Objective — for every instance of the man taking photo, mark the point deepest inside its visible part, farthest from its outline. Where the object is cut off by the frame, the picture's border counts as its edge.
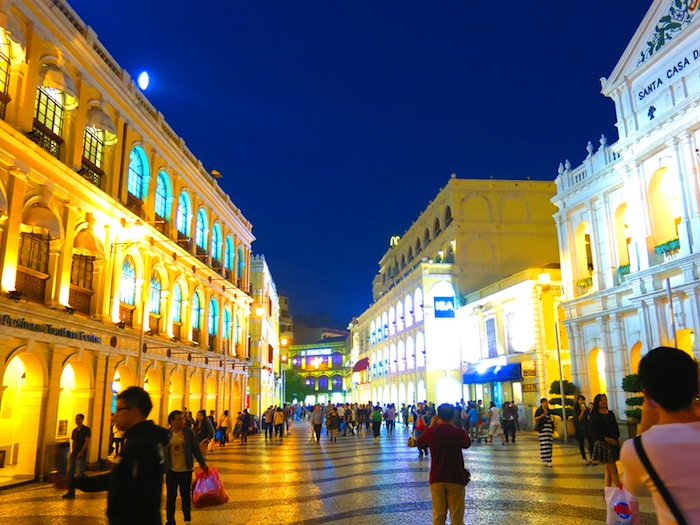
(670, 435)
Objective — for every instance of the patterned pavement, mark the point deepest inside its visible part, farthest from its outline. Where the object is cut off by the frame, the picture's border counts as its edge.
(357, 481)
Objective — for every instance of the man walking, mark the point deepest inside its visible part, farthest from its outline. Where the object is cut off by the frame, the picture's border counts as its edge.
(447, 474)
(670, 435)
(135, 484)
(80, 439)
(316, 419)
(183, 447)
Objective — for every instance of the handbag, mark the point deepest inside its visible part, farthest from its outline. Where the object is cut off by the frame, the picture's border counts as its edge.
(412, 441)
(466, 474)
(670, 502)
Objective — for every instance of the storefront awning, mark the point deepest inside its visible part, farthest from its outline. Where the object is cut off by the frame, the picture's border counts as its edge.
(361, 365)
(494, 374)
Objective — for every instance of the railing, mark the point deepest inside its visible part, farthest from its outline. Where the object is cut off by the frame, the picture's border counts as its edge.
(126, 314)
(46, 139)
(91, 173)
(79, 300)
(31, 286)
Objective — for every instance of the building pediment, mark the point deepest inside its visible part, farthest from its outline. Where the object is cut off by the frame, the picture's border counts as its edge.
(652, 50)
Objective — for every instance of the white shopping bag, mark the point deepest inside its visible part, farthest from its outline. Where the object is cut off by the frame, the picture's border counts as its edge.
(623, 507)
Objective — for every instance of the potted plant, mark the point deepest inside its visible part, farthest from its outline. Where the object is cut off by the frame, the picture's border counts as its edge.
(565, 412)
(630, 384)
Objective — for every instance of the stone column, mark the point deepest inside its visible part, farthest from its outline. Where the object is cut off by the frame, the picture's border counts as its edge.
(684, 230)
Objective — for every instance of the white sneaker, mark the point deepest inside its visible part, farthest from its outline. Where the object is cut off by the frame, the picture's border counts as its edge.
(550, 464)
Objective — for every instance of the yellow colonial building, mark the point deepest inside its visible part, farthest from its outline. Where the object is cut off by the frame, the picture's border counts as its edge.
(122, 261)
(472, 234)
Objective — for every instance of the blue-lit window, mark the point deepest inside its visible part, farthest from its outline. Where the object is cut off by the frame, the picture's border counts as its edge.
(200, 232)
(177, 304)
(240, 269)
(183, 214)
(213, 317)
(227, 324)
(337, 359)
(127, 283)
(156, 289)
(196, 312)
(323, 383)
(137, 178)
(229, 254)
(310, 382)
(162, 198)
(216, 244)
(336, 383)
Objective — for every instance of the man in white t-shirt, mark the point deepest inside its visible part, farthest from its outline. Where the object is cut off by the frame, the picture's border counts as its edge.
(670, 434)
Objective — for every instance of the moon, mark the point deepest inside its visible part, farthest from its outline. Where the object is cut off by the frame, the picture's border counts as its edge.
(143, 80)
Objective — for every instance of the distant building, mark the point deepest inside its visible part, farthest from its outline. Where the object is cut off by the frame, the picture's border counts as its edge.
(629, 214)
(508, 338)
(472, 234)
(264, 379)
(324, 368)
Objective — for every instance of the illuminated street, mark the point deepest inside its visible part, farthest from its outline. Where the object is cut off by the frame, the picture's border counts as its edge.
(357, 481)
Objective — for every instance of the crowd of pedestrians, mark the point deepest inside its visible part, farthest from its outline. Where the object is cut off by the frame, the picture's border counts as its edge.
(671, 418)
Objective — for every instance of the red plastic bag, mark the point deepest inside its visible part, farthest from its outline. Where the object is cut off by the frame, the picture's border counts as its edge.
(420, 425)
(208, 490)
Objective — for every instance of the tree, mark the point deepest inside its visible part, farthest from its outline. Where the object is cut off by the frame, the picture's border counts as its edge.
(630, 383)
(295, 386)
(569, 392)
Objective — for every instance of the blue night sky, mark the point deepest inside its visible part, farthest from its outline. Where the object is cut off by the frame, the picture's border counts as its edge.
(335, 123)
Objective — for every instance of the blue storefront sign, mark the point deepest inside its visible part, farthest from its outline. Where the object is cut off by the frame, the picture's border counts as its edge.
(444, 306)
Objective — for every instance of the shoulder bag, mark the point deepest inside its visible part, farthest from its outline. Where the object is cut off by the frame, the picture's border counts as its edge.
(467, 474)
(670, 502)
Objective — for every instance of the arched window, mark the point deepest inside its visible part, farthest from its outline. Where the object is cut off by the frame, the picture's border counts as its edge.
(177, 303)
(227, 324)
(409, 310)
(436, 227)
(156, 289)
(426, 236)
(162, 198)
(403, 262)
(240, 268)
(418, 305)
(229, 256)
(5, 53)
(127, 283)
(310, 382)
(418, 246)
(410, 253)
(213, 317)
(448, 215)
(323, 383)
(137, 178)
(337, 383)
(196, 311)
(399, 317)
(216, 245)
(184, 212)
(200, 231)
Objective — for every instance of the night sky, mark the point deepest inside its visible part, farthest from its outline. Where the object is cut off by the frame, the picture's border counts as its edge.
(335, 123)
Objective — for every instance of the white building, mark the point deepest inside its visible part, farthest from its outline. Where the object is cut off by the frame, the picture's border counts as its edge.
(629, 215)
(264, 380)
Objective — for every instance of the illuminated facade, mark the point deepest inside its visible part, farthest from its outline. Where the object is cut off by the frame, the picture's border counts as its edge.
(264, 381)
(474, 233)
(509, 343)
(122, 262)
(629, 215)
(324, 368)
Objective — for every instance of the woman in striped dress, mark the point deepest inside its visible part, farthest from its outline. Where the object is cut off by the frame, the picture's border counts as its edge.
(544, 424)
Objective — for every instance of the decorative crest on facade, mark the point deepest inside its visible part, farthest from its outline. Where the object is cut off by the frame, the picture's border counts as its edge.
(679, 16)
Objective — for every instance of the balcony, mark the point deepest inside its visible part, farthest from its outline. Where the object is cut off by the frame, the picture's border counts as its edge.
(46, 139)
(91, 173)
